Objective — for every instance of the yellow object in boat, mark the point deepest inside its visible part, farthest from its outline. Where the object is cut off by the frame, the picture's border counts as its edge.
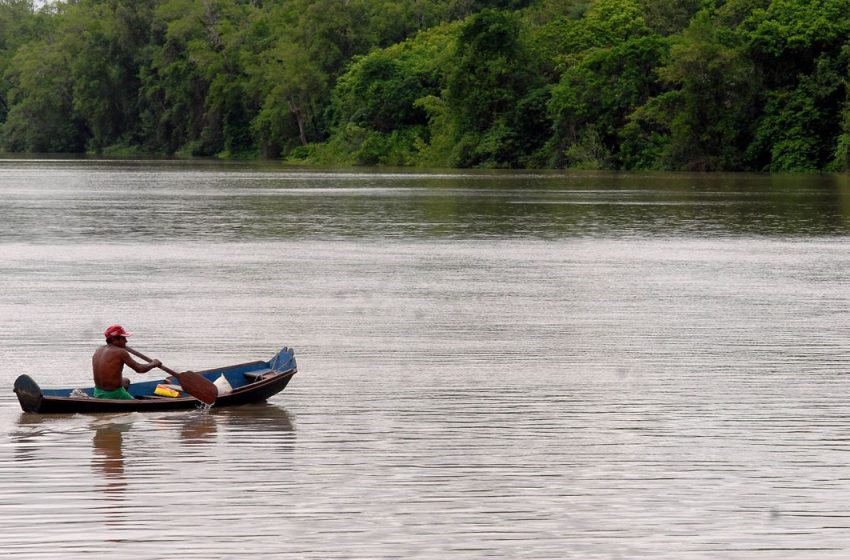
(164, 391)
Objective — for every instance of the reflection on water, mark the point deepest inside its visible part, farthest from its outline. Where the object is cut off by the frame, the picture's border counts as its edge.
(108, 460)
(183, 430)
(105, 477)
(492, 365)
(125, 201)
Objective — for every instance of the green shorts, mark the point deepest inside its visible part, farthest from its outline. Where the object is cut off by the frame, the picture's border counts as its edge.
(119, 393)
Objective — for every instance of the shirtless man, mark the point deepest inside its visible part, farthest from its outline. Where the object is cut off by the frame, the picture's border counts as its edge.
(108, 363)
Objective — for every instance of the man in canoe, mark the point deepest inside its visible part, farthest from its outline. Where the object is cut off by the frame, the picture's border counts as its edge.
(108, 363)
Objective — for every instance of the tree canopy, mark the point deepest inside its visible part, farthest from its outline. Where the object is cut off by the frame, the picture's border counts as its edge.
(757, 85)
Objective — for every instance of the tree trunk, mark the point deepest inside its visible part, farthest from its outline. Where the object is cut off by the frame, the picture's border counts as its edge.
(299, 117)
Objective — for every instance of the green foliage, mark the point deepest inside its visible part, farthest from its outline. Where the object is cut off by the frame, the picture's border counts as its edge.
(798, 131)
(645, 138)
(105, 95)
(491, 74)
(803, 50)
(719, 92)
(624, 84)
(379, 93)
(438, 151)
(612, 73)
(195, 84)
(488, 70)
(594, 98)
(841, 162)
(41, 117)
(791, 28)
(603, 23)
(19, 24)
(668, 17)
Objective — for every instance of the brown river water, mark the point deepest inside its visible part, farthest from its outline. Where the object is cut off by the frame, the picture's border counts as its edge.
(491, 364)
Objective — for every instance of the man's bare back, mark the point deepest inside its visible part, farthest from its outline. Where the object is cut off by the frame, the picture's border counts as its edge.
(107, 366)
(108, 363)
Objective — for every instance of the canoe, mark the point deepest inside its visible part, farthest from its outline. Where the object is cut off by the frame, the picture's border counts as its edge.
(250, 382)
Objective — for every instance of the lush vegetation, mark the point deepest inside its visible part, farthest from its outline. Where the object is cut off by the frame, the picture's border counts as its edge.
(600, 84)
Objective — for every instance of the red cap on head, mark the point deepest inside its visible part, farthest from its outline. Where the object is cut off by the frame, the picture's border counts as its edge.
(115, 330)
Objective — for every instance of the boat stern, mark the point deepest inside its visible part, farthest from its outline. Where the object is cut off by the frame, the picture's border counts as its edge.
(29, 393)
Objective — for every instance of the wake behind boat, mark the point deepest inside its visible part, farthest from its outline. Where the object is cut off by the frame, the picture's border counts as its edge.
(249, 382)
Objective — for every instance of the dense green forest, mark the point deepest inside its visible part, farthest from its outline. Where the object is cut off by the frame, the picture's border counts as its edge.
(758, 85)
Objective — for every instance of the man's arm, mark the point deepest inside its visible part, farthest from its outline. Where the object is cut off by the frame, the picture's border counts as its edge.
(136, 366)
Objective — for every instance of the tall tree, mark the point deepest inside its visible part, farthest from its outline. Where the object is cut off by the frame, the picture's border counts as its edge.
(803, 51)
(716, 93)
(41, 116)
(108, 40)
(602, 83)
(195, 85)
(491, 74)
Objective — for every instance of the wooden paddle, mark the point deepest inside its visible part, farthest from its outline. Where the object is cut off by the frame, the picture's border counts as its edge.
(193, 383)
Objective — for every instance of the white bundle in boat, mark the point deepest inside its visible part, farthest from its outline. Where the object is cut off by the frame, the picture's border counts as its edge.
(223, 385)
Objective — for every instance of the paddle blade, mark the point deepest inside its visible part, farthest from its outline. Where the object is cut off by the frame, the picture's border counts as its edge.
(198, 386)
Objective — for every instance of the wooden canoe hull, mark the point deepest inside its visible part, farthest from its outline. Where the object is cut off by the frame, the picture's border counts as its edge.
(251, 382)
